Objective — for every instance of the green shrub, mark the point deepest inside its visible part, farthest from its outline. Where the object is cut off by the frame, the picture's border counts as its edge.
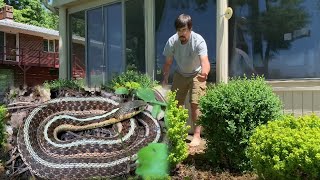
(288, 148)
(175, 120)
(3, 112)
(129, 78)
(230, 112)
(63, 83)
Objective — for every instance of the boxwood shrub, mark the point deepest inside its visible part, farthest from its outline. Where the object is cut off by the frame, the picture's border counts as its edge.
(230, 113)
(288, 148)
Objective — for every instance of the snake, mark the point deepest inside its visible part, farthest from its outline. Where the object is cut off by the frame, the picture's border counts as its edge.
(86, 157)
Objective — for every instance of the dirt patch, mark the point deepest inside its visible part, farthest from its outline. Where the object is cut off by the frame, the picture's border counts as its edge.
(196, 167)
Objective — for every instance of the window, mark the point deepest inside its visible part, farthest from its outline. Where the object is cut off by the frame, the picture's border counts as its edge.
(104, 35)
(203, 14)
(277, 39)
(49, 45)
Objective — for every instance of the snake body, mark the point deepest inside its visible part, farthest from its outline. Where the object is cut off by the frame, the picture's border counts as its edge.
(49, 157)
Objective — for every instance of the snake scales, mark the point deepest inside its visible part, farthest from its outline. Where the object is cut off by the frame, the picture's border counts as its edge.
(49, 157)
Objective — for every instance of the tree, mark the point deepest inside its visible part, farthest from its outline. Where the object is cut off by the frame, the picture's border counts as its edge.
(32, 12)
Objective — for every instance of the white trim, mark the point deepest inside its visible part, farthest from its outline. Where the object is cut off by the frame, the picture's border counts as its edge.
(90, 5)
(222, 43)
(149, 23)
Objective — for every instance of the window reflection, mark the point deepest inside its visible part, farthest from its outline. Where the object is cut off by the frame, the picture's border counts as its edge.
(203, 14)
(277, 39)
(135, 36)
(77, 52)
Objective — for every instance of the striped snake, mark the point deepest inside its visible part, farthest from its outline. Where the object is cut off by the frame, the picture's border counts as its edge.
(87, 157)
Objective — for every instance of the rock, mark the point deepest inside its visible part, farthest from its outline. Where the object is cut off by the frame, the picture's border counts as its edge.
(17, 119)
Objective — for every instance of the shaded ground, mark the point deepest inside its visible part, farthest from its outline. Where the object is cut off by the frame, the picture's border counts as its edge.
(196, 167)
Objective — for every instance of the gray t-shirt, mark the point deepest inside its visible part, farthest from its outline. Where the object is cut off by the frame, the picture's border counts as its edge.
(187, 55)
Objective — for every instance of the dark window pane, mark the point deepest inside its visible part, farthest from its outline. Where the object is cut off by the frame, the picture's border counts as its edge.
(45, 45)
(203, 14)
(135, 36)
(278, 39)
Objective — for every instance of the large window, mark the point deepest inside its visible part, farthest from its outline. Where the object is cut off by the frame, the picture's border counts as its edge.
(278, 39)
(113, 43)
(203, 14)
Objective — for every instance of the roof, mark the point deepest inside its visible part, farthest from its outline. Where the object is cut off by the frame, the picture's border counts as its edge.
(8, 25)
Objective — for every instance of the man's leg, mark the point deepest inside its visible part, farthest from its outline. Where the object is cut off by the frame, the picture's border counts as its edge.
(197, 91)
(181, 85)
(196, 134)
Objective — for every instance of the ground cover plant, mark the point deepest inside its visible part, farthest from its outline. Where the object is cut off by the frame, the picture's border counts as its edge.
(287, 148)
(230, 113)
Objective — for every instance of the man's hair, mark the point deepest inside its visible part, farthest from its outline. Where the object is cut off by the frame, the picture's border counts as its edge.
(183, 20)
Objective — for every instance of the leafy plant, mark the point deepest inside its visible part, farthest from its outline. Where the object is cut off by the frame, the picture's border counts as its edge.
(3, 112)
(63, 83)
(287, 148)
(177, 130)
(153, 161)
(230, 113)
(132, 80)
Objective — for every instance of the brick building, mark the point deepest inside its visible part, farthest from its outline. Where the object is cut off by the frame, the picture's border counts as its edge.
(29, 54)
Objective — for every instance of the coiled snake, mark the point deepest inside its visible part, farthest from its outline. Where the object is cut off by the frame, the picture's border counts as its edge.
(49, 157)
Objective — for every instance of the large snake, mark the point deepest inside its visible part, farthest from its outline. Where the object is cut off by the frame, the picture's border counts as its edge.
(49, 157)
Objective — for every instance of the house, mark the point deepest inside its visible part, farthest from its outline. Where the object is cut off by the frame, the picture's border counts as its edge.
(277, 39)
(29, 54)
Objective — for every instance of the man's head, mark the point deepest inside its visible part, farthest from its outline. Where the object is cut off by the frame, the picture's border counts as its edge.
(183, 25)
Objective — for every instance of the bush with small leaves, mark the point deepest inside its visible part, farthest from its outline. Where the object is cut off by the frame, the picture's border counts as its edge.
(230, 113)
(63, 83)
(287, 148)
(133, 79)
(175, 121)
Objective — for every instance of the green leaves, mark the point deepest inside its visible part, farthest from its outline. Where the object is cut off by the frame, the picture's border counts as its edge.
(122, 91)
(153, 161)
(230, 113)
(287, 148)
(177, 130)
(3, 112)
(32, 12)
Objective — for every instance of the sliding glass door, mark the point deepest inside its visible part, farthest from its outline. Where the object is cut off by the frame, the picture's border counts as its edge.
(104, 44)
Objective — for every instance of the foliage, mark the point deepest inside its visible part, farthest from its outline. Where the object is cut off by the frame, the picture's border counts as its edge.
(63, 83)
(288, 148)
(175, 120)
(32, 12)
(153, 161)
(129, 76)
(230, 113)
(3, 112)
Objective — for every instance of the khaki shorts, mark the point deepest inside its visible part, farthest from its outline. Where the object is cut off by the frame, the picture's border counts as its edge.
(184, 84)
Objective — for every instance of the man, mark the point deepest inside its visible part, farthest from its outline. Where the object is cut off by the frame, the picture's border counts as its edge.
(190, 52)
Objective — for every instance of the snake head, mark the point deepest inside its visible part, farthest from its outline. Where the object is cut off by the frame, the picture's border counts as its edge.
(130, 109)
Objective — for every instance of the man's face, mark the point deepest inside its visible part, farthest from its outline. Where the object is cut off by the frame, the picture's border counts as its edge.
(184, 34)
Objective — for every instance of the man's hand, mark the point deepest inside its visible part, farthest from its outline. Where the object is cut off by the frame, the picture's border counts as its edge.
(202, 77)
(166, 69)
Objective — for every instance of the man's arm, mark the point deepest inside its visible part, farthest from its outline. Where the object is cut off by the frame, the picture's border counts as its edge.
(205, 68)
(166, 70)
